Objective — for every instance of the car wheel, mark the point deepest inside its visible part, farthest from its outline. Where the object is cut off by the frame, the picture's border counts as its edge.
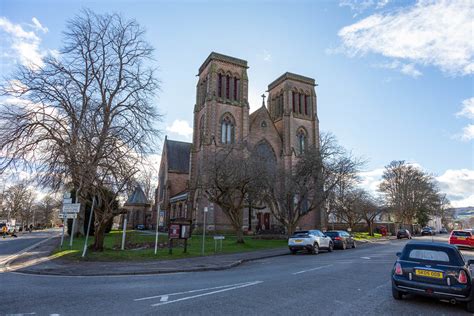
(293, 252)
(315, 249)
(396, 293)
(470, 306)
(353, 244)
(344, 246)
(331, 247)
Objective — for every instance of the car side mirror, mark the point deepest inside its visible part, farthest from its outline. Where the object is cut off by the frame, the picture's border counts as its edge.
(470, 261)
(399, 254)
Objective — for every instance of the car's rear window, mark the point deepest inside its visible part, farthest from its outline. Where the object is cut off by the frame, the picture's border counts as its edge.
(300, 234)
(402, 231)
(332, 234)
(429, 255)
(461, 234)
(432, 253)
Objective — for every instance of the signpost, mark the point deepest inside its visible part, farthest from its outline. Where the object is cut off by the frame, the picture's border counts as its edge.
(88, 228)
(70, 210)
(158, 219)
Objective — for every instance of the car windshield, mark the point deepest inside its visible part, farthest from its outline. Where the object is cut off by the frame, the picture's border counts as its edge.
(462, 234)
(300, 234)
(432, 253)
(402, 231)
(332, 234)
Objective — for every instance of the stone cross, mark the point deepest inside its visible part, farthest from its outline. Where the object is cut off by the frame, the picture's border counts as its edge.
(263, 99)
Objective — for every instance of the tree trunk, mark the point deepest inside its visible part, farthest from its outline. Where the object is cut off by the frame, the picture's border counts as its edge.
(240, 235)
(290, 228)
(99, 236)
(371, 228)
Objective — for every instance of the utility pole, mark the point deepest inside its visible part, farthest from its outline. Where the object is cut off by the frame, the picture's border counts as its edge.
(204, 230)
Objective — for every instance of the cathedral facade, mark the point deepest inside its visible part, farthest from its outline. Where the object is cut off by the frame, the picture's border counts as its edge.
(284, 127)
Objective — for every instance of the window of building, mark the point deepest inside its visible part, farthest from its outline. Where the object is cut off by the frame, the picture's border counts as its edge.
(263, 124)
(293, 94)
(236, 89)
(227, 130)
(301, 103)
(219, 86)
(306, 105)
(301, 136)
(227, 87)
(201, 129)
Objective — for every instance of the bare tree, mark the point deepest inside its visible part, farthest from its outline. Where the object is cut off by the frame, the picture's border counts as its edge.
(410, 192)
(18, 203)
(85, 113)
(228, 182)
(370, 209)
(46, 209)
(292, 193)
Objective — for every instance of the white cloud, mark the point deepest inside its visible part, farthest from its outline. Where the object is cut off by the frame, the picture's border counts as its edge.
(38, 25)
(407, 69)
(437, 33)
(24, 45)
(468, 112)
(459, 186)
(467, 109)
(181, 127)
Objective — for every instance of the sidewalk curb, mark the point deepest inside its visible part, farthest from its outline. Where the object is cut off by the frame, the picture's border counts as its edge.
(197, 269)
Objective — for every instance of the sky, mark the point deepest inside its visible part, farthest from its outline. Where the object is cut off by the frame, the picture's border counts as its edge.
(395, 78)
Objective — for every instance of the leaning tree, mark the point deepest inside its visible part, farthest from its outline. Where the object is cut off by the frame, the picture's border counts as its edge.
(85, 112)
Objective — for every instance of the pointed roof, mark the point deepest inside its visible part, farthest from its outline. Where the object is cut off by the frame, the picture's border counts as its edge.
(178, 154)
(137, 198)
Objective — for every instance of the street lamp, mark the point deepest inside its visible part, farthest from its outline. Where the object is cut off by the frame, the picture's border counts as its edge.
(204, 229)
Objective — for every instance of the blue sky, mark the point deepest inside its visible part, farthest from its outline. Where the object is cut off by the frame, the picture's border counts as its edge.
(395, 77)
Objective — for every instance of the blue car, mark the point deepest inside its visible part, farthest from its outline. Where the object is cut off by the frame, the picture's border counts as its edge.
(435, 270)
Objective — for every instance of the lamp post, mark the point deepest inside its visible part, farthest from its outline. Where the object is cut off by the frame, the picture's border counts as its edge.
(204, 229)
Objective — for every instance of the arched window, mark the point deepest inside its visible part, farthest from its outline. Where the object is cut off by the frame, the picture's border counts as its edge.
(306, 105)
(201, 130)
(236, 89)
(219, 86)
(293, 94)
(227, 130)
(301, 103)
(301, 137)
(227, 87)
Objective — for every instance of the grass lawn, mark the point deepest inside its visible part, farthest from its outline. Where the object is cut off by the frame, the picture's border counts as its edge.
(113, 242)
(361, 236)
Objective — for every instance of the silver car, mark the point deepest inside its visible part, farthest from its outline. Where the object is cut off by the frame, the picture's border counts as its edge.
(310, 240)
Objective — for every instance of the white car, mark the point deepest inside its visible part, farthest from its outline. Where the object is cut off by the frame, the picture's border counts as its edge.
(310, 240)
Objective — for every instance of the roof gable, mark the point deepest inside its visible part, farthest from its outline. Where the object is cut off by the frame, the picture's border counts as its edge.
(177, 155)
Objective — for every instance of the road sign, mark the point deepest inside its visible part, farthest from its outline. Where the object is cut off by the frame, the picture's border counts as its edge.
(67, 201)
(68, 215)
(71, 208)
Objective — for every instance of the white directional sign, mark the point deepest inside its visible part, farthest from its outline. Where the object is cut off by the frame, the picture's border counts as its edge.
(68, 215)
(71, 208)
(67, 201)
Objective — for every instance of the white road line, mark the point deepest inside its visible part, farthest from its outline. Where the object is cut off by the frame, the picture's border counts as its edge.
(208, 293)
(164, 298)
(192, 291)
(317, 268)
(367, 258)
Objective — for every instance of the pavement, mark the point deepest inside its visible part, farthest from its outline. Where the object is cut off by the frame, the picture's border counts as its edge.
(343, 282)
(39, 261)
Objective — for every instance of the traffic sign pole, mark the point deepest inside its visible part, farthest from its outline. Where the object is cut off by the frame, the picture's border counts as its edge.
(88, 228)
(157, 224)
(204, 230)
(72, 232)
(124, 231)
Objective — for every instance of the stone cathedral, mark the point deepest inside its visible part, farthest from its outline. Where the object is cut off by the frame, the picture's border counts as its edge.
(283, 127)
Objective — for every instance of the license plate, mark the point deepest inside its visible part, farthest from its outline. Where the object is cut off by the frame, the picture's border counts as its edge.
(298, 240)
(461, 238)
(429, 274)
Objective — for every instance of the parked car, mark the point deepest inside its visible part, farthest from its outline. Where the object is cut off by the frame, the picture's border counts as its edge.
(443, 231)
(341, 239)
(462, 238)
(403, 233)
(428, 231)
(141, 227)
(435, 270)
(310, 240)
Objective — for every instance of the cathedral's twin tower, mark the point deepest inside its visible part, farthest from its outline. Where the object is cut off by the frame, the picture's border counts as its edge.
(284, 128)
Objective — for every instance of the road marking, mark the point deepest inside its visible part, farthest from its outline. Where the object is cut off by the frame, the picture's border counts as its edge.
(192, 291)
(367, 258)
(164, 298)
(208, 293)
(317, 268)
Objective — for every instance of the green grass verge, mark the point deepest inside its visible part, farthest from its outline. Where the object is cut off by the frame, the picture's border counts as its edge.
(362, 236)
(113, 241)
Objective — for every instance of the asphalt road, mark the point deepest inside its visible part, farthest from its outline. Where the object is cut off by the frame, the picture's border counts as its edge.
(350, 282)
(10, 245)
